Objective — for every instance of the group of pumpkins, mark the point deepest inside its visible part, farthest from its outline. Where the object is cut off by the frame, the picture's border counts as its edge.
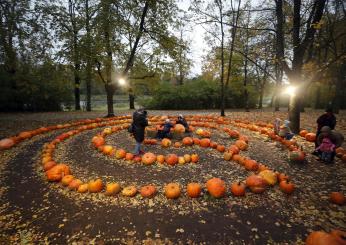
(335, 237)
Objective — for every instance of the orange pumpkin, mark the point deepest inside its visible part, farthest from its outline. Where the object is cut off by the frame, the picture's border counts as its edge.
(234, 149)
(177, 144)
(196, 141)
(148, 191)
(6, 144)
(148, 158)
(171, 159)
(67, 179)
(172, 190)
(244, 138)
(241, 144)
(194, 158)
(112, 189)
(227, 156)
(233, 134)
(322, 238)
(107, 149)
(120, 154)
(24, 135)
(48, 165)
(98, 141)
(129, 156)
(166, 142)
(74, 184)
(83, 188)
(216, 187)
(311, 137)
(193, 190)
(256, 183)
(220, 148)
(57, 172)
(205, 142)
(250, 165)
(302, 133)
(286, 186)
(238, 189)
(188, 141)
(179, 128)
(337, 198)
(95, 186)
(187, 158)
(269, 176)
(129, 191)
(160, 158)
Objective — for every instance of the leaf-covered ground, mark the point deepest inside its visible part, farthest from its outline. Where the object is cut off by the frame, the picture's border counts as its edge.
(33, 210)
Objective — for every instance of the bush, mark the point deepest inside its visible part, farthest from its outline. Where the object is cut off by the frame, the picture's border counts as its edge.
(196, 94)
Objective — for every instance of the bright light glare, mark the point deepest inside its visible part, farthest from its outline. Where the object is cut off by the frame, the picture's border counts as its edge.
(122, 81)
(290, 90)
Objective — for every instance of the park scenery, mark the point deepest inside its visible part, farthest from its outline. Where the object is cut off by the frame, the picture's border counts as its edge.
(173, 122)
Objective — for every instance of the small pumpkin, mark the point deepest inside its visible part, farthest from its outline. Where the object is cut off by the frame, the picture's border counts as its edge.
(83, 188)
(166, 142)
(181, 160)
(129, 156)
(160, 158)
(120, 154)
(238, 189)
(187, 158)
(112, 189)
(251, 165)
(6, 144)
(95, 186)
(193, 190)
(337, 198)
(196, 141)
(188, 141)
(74, 184)
(216, 187)
(227, 156)
(303, 132)
(322, 238)
(107, 149)
(194, 158)
(67, 179)
(148, 158)
(287, 186)
(269, 176)
(241, 144)
(148, 191)
(220, 148)
(311, 137)
(129, 191)
(49, 165)
(256, 183)
(57, 172)
(171, 159)
(172, 190)
(205, 142)
(177, 144)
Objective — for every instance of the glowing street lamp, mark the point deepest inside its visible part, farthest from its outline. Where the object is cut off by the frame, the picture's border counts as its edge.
(122, 82)
(290, 90)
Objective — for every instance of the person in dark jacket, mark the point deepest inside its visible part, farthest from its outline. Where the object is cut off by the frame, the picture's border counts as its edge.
(139, 122)
(181, 120)
(327, 119)
(164, 133)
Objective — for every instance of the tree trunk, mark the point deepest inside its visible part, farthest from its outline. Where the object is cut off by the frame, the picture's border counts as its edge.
(339, 89)
(260, 101)
(88, 54)
(110, 92)
(294, 114)
(222, 92)
(77, 90)
(246, 97)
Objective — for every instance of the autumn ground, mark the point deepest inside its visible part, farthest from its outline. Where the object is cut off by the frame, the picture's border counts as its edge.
(35, 211)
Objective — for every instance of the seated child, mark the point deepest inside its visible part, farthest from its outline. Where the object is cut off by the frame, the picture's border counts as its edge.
(326, 148)
(285, 131)
(277, 125)
(181, 120)
(164, 133)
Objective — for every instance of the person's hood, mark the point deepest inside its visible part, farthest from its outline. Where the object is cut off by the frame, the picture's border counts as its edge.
(326, 129)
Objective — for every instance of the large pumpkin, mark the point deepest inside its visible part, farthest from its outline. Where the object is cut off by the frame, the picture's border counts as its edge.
(148, 158)
(179, 128)
(172, 190)
(251, 165)
(193, 190)
(269, 176)
(6, 144)
(57, 172)
(216, 187)
(171, 159)
(256, 183)
(310, 137)
(95, 185)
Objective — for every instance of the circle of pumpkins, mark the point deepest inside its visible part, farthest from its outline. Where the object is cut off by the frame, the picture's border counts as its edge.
(257, 183)
(60, 172)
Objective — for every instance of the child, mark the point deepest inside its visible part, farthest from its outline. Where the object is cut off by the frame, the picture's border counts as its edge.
(164, 133)
(285, 131)
(277, 125)
(181, 120)
(327, 148)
